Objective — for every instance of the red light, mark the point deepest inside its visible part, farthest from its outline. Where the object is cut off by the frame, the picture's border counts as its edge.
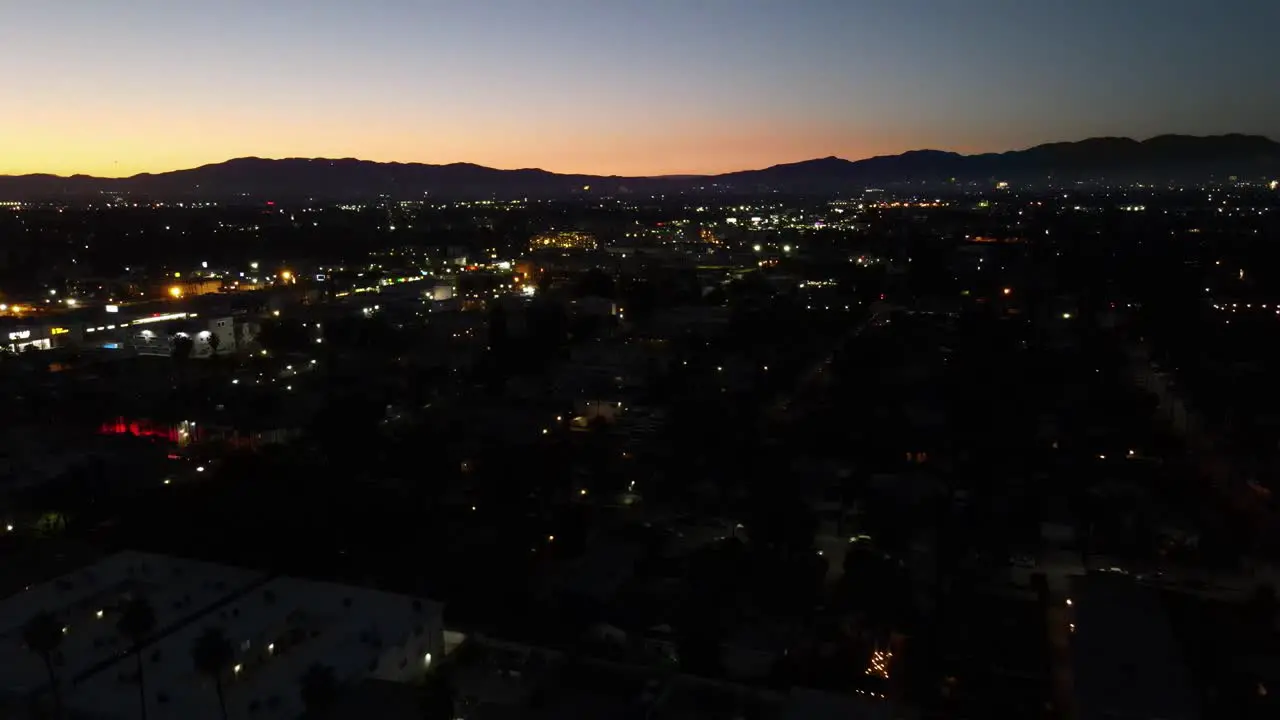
(271, 203)
(142, 428)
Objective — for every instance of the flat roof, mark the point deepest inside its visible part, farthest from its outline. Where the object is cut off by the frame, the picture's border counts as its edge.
(277, 629)
(86, 602)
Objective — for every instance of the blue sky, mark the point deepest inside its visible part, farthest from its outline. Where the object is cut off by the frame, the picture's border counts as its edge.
(605, 86)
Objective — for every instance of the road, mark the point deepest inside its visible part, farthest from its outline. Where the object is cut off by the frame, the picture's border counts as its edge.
(818, 374)
(1225, 480)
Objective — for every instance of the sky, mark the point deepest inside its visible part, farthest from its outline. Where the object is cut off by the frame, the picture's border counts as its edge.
(639, 87)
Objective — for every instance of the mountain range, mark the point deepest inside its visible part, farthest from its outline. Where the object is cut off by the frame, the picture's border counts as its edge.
(1178, 159)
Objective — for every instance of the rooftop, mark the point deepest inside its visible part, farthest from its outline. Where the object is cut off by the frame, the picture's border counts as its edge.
(87, 602)
(278, 628)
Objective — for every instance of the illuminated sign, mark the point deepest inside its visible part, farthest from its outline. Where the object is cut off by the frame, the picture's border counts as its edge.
(159, 318)
(113, 308)
(20, 335)
(59, 331)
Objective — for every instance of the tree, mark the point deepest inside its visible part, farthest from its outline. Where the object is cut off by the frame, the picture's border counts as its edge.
(438, 696)
(181, 346)
(42, 635)
(137, 622)
(639, 300)
(284, 336)
(346, 427)
(781, 522)
(499, 328)
(319, 688)
(1262, 607)
(212, 655)
(597, 282)
(214, 343)
(714, 576)
(548, 328)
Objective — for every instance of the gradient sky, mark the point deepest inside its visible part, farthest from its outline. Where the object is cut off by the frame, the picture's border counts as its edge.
(615, 87)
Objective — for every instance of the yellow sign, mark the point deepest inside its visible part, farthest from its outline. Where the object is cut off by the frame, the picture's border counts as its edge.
(59, 331)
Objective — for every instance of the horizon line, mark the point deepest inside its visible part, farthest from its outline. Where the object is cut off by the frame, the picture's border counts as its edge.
(625, 177)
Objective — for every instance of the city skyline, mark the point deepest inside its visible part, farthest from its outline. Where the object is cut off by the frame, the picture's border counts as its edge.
(612, 88)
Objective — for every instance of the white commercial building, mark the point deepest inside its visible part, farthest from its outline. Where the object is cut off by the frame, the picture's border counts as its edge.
(278, 627)
(152, 340)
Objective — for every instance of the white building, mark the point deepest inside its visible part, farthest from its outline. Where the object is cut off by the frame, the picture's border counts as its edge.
(278, 627)
(87, 602)
(159, 341)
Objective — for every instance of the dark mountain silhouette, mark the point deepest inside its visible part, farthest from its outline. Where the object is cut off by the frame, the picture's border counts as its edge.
(1166, 158)
(1162, 159)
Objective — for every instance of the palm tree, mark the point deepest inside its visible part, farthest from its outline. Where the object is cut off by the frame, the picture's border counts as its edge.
(137, 622)
(212, 654)
(319, 688)
(43, 635)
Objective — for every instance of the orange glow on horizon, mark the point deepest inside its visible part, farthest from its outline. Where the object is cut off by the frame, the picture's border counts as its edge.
(156, 145)
(603, 88)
